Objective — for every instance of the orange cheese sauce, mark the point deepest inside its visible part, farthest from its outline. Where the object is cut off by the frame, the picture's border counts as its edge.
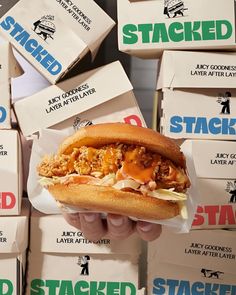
(134, 166)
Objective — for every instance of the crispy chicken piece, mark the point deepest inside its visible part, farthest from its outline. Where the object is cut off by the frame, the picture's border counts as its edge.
(56, 166)
(127, 161)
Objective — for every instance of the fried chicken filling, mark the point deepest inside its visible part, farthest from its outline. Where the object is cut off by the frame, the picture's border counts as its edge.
(126, 161)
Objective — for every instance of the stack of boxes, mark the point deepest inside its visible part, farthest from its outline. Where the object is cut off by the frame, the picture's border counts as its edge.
(204, 88)
(54, 36)
(196, 102)
(196, 106)
(13, 215)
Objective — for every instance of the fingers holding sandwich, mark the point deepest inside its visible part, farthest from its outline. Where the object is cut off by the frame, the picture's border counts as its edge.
(148, 231)
(115, 227)
(119, 227)
(91, 224)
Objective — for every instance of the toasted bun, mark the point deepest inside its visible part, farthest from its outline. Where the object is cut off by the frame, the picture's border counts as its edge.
(107, 133)
(108, 199)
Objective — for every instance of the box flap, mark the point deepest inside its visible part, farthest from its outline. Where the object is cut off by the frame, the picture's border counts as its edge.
(15, 69)
(8, 60)
(9, 68)
(209, 249)
(197, 70)
(52, 234)
(14, 231)
(66, 99)
(89, 31)
(214, 159)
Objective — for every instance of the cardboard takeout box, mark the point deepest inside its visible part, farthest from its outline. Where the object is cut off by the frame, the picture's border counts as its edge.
(200, 261)
(146, 28)
(197, 97)
(215, 164)
(55, 35)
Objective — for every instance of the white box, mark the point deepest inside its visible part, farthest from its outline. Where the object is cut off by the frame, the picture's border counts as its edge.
(10, 173)
(146, 28)
(13, 245)
(9, 68)
(197, 95)
(58, 250)
(200, 262)
(215, 164)
(55, 35)
(77, 95)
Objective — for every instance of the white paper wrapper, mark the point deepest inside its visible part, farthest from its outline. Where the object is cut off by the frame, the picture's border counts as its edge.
(41, 199)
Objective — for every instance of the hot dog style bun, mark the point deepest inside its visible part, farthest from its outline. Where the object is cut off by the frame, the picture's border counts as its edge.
(118, 168)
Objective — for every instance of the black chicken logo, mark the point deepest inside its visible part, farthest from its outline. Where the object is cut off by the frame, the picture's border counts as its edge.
(44, 27)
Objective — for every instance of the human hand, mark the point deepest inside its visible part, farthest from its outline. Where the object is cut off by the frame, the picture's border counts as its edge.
(115, 227)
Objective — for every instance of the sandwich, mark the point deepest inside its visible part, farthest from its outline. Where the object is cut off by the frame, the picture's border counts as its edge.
(47, 27)
(118, 168)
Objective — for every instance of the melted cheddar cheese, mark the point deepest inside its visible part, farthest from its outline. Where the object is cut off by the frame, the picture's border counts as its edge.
(134, 166)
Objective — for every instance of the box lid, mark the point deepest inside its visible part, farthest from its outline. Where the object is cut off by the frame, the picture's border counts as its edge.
(191, 69)
(14, 231)
(68, 98)
(52, 234)
(8, 61)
